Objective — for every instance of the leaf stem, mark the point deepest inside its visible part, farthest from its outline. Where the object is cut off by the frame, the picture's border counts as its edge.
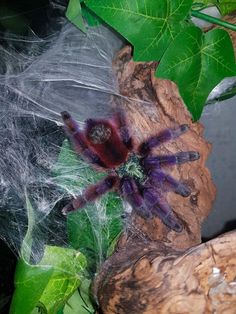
(213, 20)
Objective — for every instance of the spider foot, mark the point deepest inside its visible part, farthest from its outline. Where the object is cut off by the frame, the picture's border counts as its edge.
(166, 183)
(183, 190)
(131, 193)
(161, 208)
(75, 204)
(168, 219)
(67, 209)
(172, 222)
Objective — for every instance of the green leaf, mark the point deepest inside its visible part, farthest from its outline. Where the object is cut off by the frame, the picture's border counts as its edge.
(72, 173)
(225, 6)
(91, 18)
(30, 282)
(197, 62)
(69, 266)
(74, 14)
(150, 25)
(93, 228)
(60, 311)
(48, 284)
(80, 301)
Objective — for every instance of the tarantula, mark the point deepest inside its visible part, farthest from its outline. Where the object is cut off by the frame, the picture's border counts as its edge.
(136, 174)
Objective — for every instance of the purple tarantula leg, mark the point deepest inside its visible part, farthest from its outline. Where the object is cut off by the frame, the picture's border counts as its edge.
(78, 140)
(166, 182)
(162, 137)
(131, 193)
(123, 130)
(161, 208)
(168, 160)
(91, 194)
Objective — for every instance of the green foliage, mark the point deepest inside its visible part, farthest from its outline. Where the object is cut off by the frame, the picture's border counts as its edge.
(80, 301)
(30, 282)
(71, 172)
(225, 6)
(68, 265)
(92, 229)
(91, 18)
(48, 284)
(198, 68)
(156, 27)
(74, 14)
(149, 25)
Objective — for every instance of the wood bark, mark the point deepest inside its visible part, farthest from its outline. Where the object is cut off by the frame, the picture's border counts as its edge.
(154, 269)
(149, 278)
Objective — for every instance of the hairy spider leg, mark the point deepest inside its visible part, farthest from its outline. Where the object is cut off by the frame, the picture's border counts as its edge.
(162, 137)
(168, 160)
(161, 208)
(131, 193)
(103, 137)
(78, 140)
(121, 123)
(165, 182)
(92, 193)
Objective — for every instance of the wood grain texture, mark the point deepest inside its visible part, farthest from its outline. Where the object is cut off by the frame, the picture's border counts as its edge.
(151, 279)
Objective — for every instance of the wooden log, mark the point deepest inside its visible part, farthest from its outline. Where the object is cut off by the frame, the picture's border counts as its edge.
(152, 105)
(154, 269)
(149, 278)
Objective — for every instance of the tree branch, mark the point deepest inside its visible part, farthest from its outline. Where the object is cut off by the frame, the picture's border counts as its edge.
(154, 269)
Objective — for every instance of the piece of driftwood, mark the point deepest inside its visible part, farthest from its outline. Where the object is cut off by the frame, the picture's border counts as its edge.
(153, 105)
(148, 278)
(154, 269)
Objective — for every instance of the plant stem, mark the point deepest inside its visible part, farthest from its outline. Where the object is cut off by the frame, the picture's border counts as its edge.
(213, 20)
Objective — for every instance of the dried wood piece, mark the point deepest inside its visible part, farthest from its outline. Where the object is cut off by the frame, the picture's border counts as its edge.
(151, 271)
(152, 105)
(151, 279)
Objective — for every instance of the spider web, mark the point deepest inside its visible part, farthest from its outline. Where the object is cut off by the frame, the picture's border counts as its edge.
(67, 70)
(39, 171)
